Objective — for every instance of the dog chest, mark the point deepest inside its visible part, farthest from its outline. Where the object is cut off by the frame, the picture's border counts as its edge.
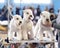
(27, 26)
(45, 28)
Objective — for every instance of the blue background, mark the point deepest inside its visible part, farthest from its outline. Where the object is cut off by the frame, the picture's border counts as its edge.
(42, 6)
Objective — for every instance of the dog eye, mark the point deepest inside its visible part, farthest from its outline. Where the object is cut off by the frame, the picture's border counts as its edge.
(27, 13)
(17, 18)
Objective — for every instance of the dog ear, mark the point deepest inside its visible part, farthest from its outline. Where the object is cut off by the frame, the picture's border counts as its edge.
(52, 16)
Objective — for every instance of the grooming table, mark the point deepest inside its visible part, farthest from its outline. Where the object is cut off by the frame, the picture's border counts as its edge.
(1, 43)
(44, 43)
(31, 41)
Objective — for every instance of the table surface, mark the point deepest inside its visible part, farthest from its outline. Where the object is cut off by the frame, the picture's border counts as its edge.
(32, 41)
(4, 36)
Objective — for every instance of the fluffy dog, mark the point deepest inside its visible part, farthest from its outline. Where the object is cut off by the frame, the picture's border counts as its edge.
(43, 24)
(27, 24)
(15, 28)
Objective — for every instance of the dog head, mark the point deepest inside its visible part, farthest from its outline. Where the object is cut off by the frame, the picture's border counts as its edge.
(45, 18)
(27, 14)
(17, 19)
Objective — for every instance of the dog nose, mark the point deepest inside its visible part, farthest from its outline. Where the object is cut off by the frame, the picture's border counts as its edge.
(30, 15)
(47, 19)
(20, 22)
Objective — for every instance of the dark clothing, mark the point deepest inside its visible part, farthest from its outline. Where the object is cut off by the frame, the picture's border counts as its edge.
(51, 10)
(4, 16)
(18, 11)
(57, 26)
(38, 11)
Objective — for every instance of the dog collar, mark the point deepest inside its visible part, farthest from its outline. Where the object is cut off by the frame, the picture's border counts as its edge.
(45, 25)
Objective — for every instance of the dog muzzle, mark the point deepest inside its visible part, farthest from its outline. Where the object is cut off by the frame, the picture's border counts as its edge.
(30, 18)
(20, 22)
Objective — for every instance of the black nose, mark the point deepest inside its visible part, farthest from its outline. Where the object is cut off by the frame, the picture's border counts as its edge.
(20, 22)
(47, 19)
(17, 18)
(30, 15)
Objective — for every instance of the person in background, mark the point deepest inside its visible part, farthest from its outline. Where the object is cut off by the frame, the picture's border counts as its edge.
(6, 13)
(24, 7)
(53, 15)
(56, 24)
(35, 12)
(18, 10)
(46, 8)
(3, 13)
(51, 10)
(38, 10)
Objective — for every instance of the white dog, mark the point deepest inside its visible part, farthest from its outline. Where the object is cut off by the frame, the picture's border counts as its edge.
(43, 24)
(27, 24)
(15, 28)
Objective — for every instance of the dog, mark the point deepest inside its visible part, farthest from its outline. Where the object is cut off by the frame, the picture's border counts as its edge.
(43, 24)
(27, 24)
(15, 28)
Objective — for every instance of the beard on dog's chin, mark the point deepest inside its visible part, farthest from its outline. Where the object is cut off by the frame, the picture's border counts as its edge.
(18, 23)
(30, 18)
(46, 23)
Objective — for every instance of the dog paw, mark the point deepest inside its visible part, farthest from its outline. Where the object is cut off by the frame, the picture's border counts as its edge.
(53, 40)
(24, 39)
(41, 40)
(7, 40)
(31, 39)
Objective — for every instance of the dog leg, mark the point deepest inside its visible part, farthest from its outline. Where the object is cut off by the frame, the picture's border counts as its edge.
(19, 36)
(41, 34)
(25, 35)
(31, 35)
(10, 35)
(51, 35)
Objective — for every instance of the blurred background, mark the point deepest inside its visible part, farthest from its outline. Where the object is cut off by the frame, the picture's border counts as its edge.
(19, 5)
(9, 8)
